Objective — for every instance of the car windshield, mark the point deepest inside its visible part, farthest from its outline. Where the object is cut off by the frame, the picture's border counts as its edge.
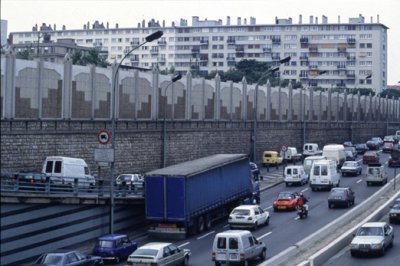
(373, 171)
(124, 177)
(104, 243)
(370, 231)
(145, 252)
(52, 259)
(350, 164)
(336, 193)
(285, 195)
(241, 212)
(397, 207)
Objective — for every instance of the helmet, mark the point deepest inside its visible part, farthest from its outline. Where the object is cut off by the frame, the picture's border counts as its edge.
(301, 193)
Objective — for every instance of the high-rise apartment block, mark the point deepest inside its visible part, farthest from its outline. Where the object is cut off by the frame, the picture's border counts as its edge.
(350, 55)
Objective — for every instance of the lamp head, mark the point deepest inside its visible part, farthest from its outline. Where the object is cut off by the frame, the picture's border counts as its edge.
(176, 77)
(154, 36)
(285, 60)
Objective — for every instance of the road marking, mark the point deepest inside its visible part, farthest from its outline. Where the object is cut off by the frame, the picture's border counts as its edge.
(184, 244)
(304, 190)
(269, 207)
(226, 225)
(297, 217)
(358, 181)
(264, 235)
(203, 236)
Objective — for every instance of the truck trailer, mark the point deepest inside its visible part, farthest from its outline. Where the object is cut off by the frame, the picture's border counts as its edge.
(186, 198)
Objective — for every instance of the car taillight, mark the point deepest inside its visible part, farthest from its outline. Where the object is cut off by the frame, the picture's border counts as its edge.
(213, 256)
(241, 256)
(153, 264)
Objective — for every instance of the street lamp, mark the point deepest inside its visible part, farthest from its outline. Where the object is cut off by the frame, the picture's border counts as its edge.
(269, 71)
(164, 158)
(154, 36)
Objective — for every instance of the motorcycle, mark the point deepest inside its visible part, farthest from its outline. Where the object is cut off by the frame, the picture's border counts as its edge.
(302, 211)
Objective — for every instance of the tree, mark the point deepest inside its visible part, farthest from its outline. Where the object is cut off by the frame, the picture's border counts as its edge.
(24, 55)
(390, 93)
(91, 57)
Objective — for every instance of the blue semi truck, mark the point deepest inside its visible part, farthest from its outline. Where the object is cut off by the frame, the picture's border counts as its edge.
(186, 198)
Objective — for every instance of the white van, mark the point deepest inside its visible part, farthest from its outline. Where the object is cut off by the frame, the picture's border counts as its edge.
(64, 171)
(295, 174)
(308, 162)
(376, 173)
(324, 174)
(237, 246)
(311, 149)
(335, 152)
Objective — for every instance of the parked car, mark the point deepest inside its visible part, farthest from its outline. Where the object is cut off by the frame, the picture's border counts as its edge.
(237, 247)
(361, 148)
(159, 253)
(351, 168)
(372, 237)
(370, 157)
(394, 160)
(130, 181)
(271, 158)
(255, 172)
(248, 216)
(286, 200)
(348, 144)
(349, 156)
(341, 196)
(387, 147)
(394, 213)
(114, 247)
(295, 174)
(373, 144)
(68, 257)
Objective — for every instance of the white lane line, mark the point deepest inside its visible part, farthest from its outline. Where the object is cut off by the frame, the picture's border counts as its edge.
(226, 225)
(358, 181)
(269, 207)
(264, 235)
(297, 217)
(203, 236)
(184, 244)
(304, 190)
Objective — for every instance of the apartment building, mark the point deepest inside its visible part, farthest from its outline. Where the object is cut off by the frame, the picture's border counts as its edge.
(330, 55)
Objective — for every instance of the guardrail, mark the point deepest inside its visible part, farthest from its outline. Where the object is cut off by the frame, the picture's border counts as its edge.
(38, 184)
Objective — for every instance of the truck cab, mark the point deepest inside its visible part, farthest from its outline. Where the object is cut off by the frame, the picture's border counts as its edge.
(376, 173)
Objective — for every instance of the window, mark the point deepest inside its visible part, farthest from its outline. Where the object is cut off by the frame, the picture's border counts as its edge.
(233, 243)
(251, 241)
(57, 167)
(49, 167)
(221, 243)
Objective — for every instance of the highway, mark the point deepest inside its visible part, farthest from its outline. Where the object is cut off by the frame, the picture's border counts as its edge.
(285, 229)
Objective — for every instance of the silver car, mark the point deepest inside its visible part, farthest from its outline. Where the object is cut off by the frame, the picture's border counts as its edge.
(130, 181)
(372, 237)
(160, 254)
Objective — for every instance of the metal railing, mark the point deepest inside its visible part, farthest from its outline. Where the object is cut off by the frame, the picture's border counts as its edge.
(38, 184)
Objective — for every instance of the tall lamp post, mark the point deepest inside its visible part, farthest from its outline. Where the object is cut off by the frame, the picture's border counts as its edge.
(154, 36)
(269, 71)
(164, 158)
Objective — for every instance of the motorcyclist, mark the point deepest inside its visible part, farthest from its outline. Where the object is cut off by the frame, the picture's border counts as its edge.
(302, 201)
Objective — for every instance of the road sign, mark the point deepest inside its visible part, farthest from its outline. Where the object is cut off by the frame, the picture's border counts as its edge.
(284, 148)
(104, 137)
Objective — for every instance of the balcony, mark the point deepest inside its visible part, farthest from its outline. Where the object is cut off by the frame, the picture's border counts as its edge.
(276, 40)
(161, 59)
(162, 42)
(204, 41)
(153, 51)
(135, 43)
(204, 57)
(230, 58)
(304, 40)
(276, 57)
(195, 67)
(351, 41)
(351, 76)
(312, 67)
(195, 50)
(313, 49)
(231, 41)
(341, 66)
(304, 57)
(303, 76)
(267, 50)
(341, 49)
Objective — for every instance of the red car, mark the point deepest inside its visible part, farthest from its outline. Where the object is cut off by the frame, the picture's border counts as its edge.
(370, 157)
(286, 200)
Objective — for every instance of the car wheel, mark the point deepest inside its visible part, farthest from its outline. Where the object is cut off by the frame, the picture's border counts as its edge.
(117, 259)
(383, 251)
(200, 224)
(330, 205)
(185, 261)
(217, 263)
(353, 254)
(245, 263)
(348, 204)
(267, 221)
(255, 226)
(263, 254)
(208, 222)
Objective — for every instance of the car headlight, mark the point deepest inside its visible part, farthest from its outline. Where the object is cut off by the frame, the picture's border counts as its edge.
(353, 246)
(377, 246)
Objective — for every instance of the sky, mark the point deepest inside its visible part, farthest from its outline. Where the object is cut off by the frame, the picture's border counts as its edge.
(22, 15)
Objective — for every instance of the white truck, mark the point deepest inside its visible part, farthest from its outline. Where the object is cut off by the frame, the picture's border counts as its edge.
(311, 149)
(336, 153)
(324, 175)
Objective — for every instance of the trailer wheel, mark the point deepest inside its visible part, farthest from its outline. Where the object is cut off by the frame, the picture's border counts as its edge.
(208, 222)
(200, 224)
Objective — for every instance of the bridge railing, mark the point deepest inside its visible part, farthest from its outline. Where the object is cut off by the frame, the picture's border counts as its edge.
(38, 184)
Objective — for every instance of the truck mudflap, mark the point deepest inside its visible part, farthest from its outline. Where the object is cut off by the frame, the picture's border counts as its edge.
(167, 231)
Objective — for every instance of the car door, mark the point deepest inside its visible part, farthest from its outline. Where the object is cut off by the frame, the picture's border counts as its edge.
(262, 215)
(176, 254)
(388, 233)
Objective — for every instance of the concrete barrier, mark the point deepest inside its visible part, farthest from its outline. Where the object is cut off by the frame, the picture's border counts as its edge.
(293, 252)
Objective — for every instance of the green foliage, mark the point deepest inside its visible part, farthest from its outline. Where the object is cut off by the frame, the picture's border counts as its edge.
(24, 55)
(91, 57)
(390, 93)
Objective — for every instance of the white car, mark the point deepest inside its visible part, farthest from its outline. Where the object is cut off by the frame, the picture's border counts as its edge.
(248, 216)
(295, 174)
(160, 254)
(372, 237)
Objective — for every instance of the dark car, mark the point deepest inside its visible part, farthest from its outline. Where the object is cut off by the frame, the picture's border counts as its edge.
(341, 196)
(350, 156)
(348, 144)
(394, 213)
(351, 168)
(387, 147)
(394, 160)
(68, 257)
(114, 247)
(352, 150)
(370, 157)
(361, 148)
(379, 140)
(373, 144)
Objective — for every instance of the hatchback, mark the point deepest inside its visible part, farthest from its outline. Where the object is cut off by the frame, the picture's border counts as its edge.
(68, 257)
(394, 213)
(248, 216)
(361, 148)
(114, 247)
(341, 196)
(286, 200)
(351, 168)
(131, 181)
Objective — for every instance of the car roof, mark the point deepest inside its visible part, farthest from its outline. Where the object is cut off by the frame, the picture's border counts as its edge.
(248, 206)
(294, 166)
(111, 237)
(374, 224)
(155, 245)
(233, 233)
(340, 188)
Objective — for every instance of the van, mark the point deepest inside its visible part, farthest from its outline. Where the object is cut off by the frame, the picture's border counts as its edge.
(237, 247)
(324, 174)
(311, 149)
(376, 173)
(397, 135)
(336, 153)
(308, 162)
(295, 174)
(291, 155)
(271, 157)
(68, 171)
